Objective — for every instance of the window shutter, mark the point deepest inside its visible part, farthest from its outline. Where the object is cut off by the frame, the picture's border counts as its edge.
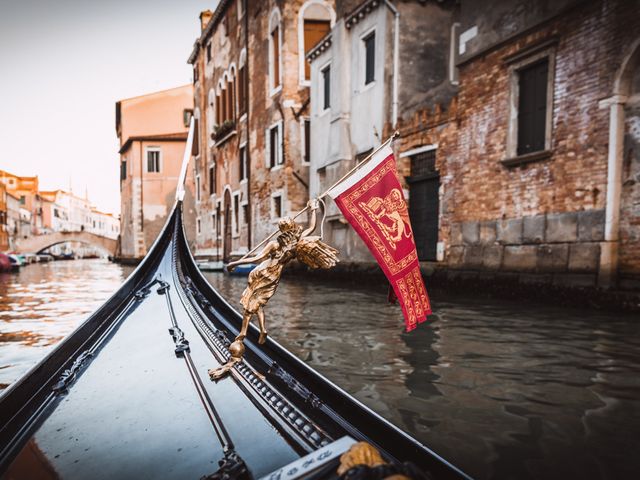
(280, 158)
(267, 148)
(532, 107)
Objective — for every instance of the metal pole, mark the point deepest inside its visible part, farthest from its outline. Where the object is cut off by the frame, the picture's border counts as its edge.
(326, 192)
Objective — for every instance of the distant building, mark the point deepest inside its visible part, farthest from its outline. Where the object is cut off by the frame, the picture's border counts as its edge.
(104, 224)
(152, 130)
(13, 218)
(252, 104)
(26, 190)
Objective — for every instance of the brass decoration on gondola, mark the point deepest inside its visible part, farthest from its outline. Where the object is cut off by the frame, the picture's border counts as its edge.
(363, 454)
(291, 242)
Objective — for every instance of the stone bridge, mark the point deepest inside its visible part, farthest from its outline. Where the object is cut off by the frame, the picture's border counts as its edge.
(38, 243)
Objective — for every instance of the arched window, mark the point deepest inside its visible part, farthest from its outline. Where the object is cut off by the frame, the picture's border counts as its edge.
(232, 92)
(225, 98)
(275, 49)
(242, 82)
(315, 19)
(219, 118)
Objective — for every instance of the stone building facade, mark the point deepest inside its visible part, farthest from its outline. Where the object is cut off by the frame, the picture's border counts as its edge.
(532, 169)
(152, 130)
(542, 177)
(381, 63)
(252, 105)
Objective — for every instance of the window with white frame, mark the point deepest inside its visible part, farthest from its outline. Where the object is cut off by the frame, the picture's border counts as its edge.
(531, 79)
(275, 50)
(245, 213)
(325, 87)
(273, 142)
(315, 19)
(277, 208)
(369, 50)
(244, 167)
(153, 159)
(306, 140)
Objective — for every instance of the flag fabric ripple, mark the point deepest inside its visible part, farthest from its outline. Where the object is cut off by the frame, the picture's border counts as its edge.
(372, 201)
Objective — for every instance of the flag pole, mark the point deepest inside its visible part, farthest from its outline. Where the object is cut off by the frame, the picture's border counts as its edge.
(395, 135)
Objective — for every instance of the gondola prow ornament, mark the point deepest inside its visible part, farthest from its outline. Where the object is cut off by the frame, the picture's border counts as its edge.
(291, 242)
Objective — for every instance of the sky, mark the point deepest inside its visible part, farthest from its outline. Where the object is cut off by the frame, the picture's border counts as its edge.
(64, 64)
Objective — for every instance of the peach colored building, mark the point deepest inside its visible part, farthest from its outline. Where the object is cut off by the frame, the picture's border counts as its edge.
(26, 190)
(152, 130)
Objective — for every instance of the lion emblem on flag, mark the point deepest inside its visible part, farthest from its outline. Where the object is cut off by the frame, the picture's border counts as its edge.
(391, 216)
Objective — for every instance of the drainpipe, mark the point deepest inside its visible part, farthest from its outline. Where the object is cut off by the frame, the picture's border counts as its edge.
(396, 60)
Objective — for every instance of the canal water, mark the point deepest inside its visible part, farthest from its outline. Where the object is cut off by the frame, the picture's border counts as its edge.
(505, 390)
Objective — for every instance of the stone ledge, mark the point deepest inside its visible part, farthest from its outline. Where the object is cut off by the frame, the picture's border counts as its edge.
(527, 158)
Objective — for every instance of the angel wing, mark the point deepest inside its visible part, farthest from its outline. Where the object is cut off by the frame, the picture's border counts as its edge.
(315, 253)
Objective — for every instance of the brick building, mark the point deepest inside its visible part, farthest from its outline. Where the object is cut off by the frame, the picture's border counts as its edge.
(532, 169)
(152, 130)
(538, 170)
(252, 106)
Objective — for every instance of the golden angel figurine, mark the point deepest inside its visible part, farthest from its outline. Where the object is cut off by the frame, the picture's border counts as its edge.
(291, 242)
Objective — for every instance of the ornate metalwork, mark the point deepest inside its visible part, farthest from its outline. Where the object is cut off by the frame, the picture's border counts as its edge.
(299, 423)
(232, 467)
(69, 375)
(291, 242)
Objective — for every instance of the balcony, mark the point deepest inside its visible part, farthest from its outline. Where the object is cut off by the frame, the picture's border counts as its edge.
(221, 133)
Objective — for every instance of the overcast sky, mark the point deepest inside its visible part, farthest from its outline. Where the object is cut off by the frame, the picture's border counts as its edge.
(64, 64)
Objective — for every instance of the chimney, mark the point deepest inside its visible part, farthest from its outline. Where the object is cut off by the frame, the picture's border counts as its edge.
(205, 16)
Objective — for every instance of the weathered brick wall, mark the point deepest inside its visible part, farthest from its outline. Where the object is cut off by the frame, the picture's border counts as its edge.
(546, 216)
(290, 105)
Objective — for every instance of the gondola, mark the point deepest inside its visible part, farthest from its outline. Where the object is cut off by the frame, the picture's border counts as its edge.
(127, 395)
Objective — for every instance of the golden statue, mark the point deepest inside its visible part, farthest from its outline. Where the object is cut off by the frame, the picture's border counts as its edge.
(291, 242)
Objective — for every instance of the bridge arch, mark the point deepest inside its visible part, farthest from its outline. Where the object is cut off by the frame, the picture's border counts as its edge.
(39, 243)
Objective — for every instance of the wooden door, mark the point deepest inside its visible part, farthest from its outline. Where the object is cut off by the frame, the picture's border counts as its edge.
(424, 185)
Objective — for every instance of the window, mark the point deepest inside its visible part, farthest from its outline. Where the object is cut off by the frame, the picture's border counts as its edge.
(245, 213)
(153, 160)
(273, 142)
(186, 116)
(123, 170)
(198, 226)
(454, 42)
(212, 179)
(208, 52)
(306, 125)
(198, 188)
(243, 163)
(236, 213)
(369, 57)
(275, 46)
(275, 41)
(314, 31)
(242, 89)
(532, 107)
(276, 206)
(326, 87)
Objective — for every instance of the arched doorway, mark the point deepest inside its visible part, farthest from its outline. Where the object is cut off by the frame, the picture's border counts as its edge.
(226, 245)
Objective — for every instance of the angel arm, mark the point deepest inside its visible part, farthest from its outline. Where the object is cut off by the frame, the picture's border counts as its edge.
(313, 205)
(257, 259)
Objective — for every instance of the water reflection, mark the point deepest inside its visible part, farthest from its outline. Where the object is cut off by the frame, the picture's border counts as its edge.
(504, 390)
(43, 303)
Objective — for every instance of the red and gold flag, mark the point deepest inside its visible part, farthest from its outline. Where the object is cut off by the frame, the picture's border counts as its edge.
(371, 199)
